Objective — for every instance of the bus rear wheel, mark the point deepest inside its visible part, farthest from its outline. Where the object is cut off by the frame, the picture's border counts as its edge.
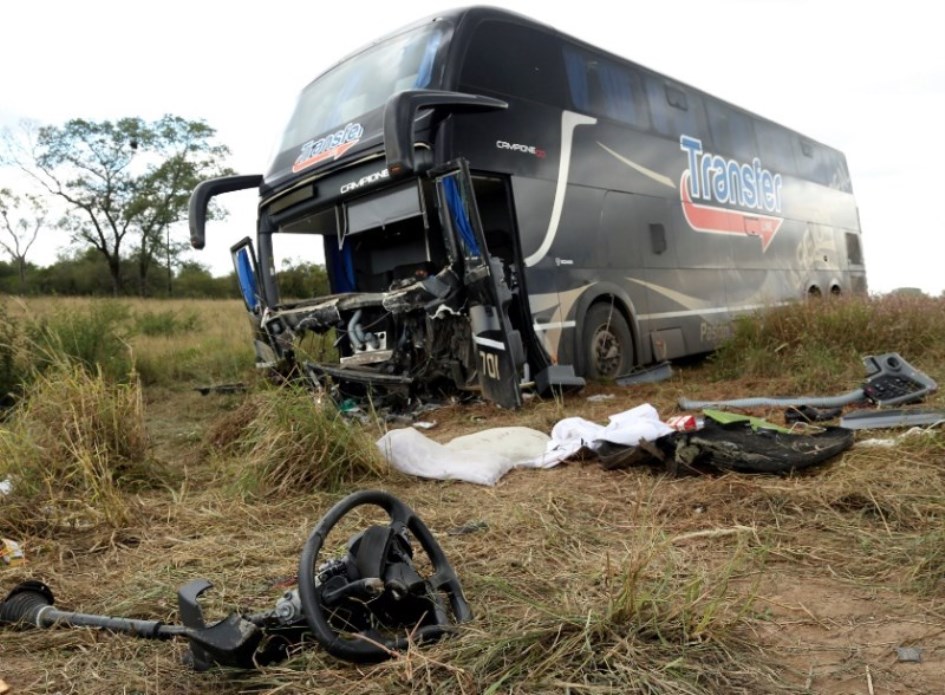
(607, 343)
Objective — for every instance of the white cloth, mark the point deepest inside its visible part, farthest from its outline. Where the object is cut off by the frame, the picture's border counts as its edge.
(628, 428)
(484, 457)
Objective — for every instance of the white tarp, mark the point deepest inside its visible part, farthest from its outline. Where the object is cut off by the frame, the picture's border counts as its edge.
(482, 457)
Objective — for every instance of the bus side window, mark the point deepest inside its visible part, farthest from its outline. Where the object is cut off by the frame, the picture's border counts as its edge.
(775, 149)
(732, 131)
(513, 60)
(824, 165)
(854, 250)
(674, 110)
(604, 88)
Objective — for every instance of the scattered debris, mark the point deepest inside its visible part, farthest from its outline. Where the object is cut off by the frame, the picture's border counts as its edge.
(11, 553)
(756, 423)
(807, 413)
(221, 388)
(600, 397)
(890, 381)
(646, 375)
(894, 441)
(887, 419)
(909, 655)
(360, 607)
(739, 447)
(6, 486)
(685, 423)
(425, 424)
(736, 446)
(465, 529)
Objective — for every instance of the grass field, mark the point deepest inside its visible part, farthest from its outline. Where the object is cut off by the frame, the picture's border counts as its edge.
(128, 483)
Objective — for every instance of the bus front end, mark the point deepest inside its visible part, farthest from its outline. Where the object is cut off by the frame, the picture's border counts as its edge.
(414, 304)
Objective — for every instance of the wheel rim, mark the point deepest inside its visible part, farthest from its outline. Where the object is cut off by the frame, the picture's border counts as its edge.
(605, 350)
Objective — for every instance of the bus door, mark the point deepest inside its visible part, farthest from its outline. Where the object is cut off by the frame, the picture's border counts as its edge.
(498, 347)
(247, 275)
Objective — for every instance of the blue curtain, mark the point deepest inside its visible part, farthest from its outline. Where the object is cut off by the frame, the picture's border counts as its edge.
(247, 279)
(454, 200)
(342, 265)
(618, 93)
(426, 66)
(576, 68)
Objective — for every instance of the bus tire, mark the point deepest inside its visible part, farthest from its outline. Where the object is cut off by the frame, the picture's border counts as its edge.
(606, 342)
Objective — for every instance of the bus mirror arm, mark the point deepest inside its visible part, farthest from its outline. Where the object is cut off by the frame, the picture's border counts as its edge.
(401, 111)
(200, 199)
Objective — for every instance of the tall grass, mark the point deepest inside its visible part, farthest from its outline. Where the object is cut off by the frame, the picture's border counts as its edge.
(286, 443)
(11, 374)
(819, 343)
(73, 445)
(166, 342)
(96, 339)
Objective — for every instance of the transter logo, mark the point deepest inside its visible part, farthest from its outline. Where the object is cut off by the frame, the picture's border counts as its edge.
(715, 179)
(331, 146)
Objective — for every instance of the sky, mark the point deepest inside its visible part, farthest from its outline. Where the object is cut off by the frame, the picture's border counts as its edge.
(865, 78)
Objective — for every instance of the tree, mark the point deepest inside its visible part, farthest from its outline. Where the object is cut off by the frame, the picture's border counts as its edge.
(126, 183)
(21, 218)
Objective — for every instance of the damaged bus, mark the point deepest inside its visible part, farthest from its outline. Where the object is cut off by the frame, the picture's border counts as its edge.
(498, 203)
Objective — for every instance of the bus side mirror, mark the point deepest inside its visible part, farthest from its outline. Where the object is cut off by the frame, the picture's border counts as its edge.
(200, 199)
(401, 111)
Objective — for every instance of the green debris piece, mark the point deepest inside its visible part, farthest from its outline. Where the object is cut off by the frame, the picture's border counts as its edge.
(724, 417)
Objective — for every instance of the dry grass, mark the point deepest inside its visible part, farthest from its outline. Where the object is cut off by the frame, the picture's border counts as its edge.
(581, 580)
(284, 441)
(819, 344)
(70, 448)
(171, 342)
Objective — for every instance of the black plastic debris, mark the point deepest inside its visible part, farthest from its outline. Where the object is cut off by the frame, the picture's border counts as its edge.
(807, 413)
(738, 447)
(735, 446)
(221, 388)
(646, 375)
(909, 655)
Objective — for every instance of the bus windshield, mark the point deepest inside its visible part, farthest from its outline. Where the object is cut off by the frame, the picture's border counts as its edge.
(364, 83)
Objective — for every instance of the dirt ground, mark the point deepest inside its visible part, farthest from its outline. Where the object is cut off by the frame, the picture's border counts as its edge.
(830, 606)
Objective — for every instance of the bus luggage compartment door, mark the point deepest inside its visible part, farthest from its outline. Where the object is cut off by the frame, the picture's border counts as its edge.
(498, 347)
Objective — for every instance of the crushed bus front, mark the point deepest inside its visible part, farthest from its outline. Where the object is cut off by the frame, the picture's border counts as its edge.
(419, 306)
